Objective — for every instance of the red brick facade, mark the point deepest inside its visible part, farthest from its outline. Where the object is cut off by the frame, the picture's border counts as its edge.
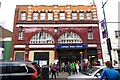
(56, 28)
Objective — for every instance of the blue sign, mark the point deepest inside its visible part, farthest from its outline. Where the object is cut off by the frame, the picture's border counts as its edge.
(72, 46)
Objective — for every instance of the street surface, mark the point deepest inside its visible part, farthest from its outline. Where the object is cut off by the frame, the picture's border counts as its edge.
(62, 75)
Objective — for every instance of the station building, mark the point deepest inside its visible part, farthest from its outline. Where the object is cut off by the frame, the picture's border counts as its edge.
(56, 33)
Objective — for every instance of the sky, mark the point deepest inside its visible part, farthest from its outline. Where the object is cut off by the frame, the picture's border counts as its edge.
(8, 8)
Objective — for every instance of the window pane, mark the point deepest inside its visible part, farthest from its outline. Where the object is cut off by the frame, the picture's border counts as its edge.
(69, 37)
(35, 16)
(90, 35)
(74, 16)
(18, 69)
(81, 15)
(21, 36)
(42, 16)
(19, 56)
(50, 16)
(89, 15)
(62, 16)
(42, 37)
(23, 16)
(5, 69)
(117, 34)
(30, 70)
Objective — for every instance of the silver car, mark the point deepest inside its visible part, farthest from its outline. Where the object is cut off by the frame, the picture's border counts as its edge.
(91, 74)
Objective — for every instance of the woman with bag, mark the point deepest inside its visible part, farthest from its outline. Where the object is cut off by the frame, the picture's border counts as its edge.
(54, 70)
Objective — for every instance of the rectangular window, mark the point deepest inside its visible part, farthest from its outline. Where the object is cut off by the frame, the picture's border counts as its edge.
(90, 34)
(19, 56)
(50, 16)
(62, 16)
(18, 69)
(42, 16)
(81, 15)
(23, 16)
(74, 16)
(21, 36)
(117, 34)
(89, 15)
(35, 16)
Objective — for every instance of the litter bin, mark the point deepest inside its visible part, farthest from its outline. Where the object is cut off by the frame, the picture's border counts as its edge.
(45, 72)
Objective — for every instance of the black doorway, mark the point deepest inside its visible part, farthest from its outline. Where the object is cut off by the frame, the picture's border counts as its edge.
(41, 57)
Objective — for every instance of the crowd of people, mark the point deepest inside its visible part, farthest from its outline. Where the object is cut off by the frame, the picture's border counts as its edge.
(76, 67)
(70, 67)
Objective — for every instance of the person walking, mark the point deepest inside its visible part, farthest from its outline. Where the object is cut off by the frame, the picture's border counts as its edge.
(68, 68)
(54, 70)
(57, 69)
(84, 66)
(72, 66)
(109, 73)
(50, 68)
(77, 67)
(63, 66)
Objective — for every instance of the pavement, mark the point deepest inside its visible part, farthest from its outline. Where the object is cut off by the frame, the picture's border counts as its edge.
(61, 75)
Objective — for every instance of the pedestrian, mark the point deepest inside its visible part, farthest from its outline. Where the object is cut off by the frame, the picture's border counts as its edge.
(68, 68)
(77, 67)
(63, 67)
(85, 66)
(109, 73)
(54, 71)
(50, 68)
(72, 66)
(57, 69)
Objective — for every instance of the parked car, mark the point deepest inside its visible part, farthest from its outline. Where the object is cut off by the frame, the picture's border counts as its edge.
(15, 70)
(38, 68)
(91, 74)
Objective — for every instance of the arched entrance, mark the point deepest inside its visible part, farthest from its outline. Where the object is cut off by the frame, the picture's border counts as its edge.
(69, 47)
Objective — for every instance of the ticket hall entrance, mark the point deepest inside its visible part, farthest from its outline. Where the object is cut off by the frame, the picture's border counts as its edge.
(69, 55)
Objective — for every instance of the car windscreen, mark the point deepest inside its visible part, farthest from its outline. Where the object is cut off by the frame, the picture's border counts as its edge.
(90, 71)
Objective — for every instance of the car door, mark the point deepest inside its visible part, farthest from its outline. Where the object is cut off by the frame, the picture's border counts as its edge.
(98, 74)
(5, 72)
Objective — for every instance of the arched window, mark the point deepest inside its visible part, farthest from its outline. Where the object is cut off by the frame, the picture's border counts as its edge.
(42, 38)
(69, 37)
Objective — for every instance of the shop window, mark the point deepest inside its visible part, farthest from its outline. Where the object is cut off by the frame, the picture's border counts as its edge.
(19, 56)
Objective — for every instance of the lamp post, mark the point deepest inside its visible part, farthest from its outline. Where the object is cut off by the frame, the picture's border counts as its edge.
(108, 39)
(81, 57)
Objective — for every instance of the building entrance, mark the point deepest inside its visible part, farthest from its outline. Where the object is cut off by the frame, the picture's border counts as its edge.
(42, 58)
(69, 55)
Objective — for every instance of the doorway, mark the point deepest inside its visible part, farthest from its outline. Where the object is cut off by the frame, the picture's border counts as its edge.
(42, 58)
